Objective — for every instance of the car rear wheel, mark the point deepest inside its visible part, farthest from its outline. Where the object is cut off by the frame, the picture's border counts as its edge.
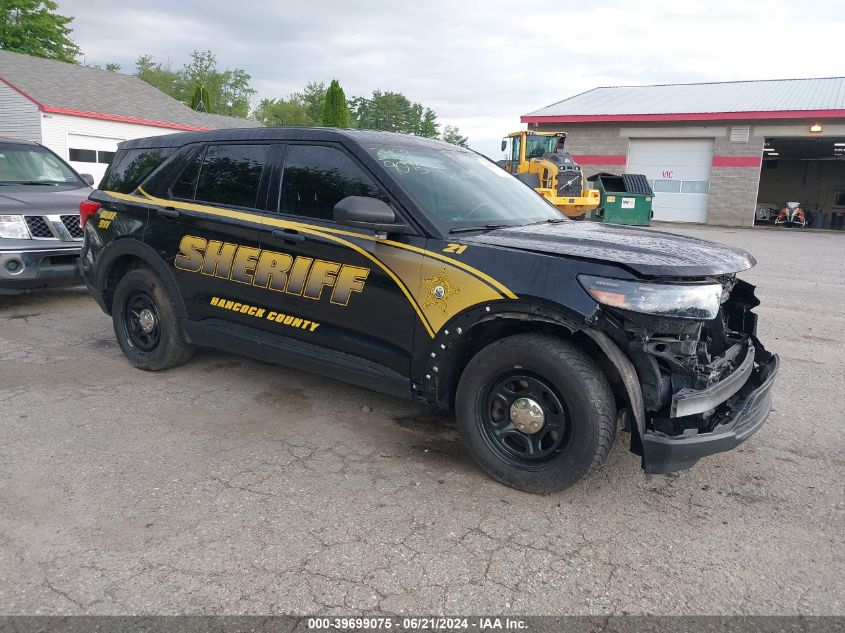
(535, 412)
(145, 323)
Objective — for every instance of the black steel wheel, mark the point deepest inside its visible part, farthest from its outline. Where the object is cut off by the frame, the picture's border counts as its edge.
(523, 418)
(535, 412)
(146, 324)
(142, 321)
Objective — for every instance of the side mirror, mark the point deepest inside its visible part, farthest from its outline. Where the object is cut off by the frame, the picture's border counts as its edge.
(88, 178)
(504, 144)
(367, 213)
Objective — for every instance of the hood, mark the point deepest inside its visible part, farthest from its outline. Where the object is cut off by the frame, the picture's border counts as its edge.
(42, 200)
(645, 251)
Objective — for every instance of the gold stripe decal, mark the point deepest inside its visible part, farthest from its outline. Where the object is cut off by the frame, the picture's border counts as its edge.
(431, 301)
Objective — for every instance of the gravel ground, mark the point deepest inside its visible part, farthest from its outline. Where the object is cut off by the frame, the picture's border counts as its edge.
(232, 486)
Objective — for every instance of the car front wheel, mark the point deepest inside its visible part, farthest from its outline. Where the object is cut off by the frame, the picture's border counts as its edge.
(535, 412)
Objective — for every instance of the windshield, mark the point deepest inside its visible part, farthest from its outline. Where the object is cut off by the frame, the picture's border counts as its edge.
(457, 188)
(32, 164)
(537, 146)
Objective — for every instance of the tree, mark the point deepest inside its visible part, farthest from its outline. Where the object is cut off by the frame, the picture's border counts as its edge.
(110, 66)
(335, 110)
(228, 91)
(281, 112)
(158, 75)
(452, 134)
(394, 112)
(200, 99)
(428, 124)
(303, 108)
(312, 99)
(34, 28)
(388, 111)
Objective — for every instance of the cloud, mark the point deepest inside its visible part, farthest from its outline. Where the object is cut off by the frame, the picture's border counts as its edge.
(480, 65)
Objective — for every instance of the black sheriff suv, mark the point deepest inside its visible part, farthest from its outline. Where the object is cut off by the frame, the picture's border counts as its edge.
(421, 269)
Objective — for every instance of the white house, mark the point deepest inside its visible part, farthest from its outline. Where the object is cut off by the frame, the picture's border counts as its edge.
(83, 113)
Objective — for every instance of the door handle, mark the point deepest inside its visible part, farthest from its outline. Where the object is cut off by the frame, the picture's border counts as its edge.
(167, 212)
(288, 236)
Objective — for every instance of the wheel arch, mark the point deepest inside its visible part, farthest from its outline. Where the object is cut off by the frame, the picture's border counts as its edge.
(464, 335)
(455, 345)
(122, 256)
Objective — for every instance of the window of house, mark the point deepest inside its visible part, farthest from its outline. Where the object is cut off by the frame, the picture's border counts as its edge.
(667, 186)
(317, 177)
(83, 155)
(79, 155)
(695, 186)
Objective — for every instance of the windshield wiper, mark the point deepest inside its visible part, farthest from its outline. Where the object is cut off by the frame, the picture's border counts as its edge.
(51, 183)
(483, 227)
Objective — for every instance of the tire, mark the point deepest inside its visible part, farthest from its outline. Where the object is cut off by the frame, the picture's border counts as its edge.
(164, 346)
(578, 412)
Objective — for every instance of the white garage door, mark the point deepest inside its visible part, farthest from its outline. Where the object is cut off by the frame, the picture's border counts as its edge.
(91, 154)
(679, 170)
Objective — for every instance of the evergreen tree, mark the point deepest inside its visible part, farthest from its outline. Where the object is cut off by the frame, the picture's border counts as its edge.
(200, 100)
(452, 134)
(335, 110)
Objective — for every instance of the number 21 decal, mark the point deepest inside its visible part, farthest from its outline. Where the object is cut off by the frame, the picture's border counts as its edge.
(451, 247)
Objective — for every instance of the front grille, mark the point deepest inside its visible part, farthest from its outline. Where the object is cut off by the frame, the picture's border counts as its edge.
(38, 227)
(71, 223)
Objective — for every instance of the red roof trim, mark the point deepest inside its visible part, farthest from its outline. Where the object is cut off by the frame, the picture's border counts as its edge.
(600, 159)
(700, 116)
(21, 92)
(737, 161)
(122, 119)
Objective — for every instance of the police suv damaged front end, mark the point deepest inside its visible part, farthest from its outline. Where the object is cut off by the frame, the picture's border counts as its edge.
(705, 378)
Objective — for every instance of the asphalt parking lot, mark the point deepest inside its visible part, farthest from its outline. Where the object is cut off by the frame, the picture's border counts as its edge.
(231, 486)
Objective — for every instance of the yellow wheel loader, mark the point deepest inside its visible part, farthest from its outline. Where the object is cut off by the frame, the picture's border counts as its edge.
(538, 159)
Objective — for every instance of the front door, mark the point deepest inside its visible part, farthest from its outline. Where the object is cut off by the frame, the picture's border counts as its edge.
(331, 287)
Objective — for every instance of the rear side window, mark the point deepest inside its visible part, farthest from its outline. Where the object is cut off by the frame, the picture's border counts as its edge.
(230, 174)
(131, 167)
(317, 177)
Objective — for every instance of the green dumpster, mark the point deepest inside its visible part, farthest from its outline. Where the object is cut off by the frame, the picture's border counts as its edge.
(625, 199)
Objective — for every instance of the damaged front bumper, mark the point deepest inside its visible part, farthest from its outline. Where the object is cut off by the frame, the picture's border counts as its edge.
(740, 415)
(695, 387)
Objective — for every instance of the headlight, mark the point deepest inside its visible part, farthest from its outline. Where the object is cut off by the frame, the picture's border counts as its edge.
(13, 227)
(676, 300)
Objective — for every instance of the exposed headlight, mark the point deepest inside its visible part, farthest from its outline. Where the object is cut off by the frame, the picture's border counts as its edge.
(13, 227)
(676, 300)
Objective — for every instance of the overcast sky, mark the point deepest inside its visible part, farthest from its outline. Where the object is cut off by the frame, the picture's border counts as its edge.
(479, 65)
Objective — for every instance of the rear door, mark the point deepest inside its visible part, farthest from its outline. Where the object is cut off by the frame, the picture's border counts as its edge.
(333, 287)
(207, 229)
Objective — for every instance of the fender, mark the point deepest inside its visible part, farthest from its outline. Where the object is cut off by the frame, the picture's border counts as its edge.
(135, 248)
(435, 371)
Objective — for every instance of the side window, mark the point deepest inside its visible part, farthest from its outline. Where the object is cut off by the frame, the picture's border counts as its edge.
(131, 167)
(186, 183)
(230, 174)
(317, 177)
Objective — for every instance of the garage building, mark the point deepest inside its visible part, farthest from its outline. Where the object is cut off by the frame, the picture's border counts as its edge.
(714, 151)
(83, 113)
